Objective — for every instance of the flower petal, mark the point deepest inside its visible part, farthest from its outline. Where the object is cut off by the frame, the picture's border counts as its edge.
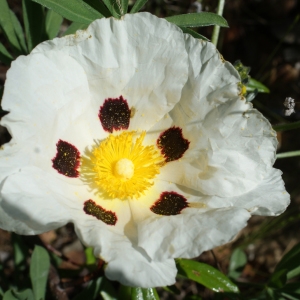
(117, 245)
(59, 106)
(269, 198)
(191, 232)
(36, 203)
(139, 57)
(212, 81)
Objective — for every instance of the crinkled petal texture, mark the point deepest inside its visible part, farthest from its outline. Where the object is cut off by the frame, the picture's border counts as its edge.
(103, 85)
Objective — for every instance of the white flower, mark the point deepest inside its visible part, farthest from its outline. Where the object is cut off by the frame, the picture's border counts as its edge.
(138, 135)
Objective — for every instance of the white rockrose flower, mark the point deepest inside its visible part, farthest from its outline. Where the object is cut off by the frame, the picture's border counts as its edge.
(140, 136)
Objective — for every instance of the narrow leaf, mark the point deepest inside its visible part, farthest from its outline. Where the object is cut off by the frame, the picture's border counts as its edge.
(278, 279)
(76, 10)
(74, 27)
(205, 275)
(5, 56)
(124, 6)
(33, 15)
(291, 291)
(9, 296)
(24, 295)
(108, 292)
(193, 33)
(144, 294)
(53, 23)
(7, 26)
(198, 19)
(138, 5)
(290, 262)
(99, 6)
(39, 269)
(253, 85)
(114, 6)
(19, 32)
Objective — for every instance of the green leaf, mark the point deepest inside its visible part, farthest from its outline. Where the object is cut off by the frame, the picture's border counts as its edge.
(19, 32)
(53, 23)
(75, 10)
(24, 295)
(74, 27)
(291, 291)
(5, 56)
(7, 25)
(99, 6)
(33, 15)
(237, 263)
(39, 269)
(130, 293)
(113, 7)
(124, 292)
(278, 279)
(290, 262)
(144, 294)
(124, 6)
(205, 275)
(198, 19)
(193, 33)
(90, 258)
(138, 5)
(20, 252)
(253, 85)
(9, 296)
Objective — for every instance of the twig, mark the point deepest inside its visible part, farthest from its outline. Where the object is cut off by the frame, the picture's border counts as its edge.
(216, 261)
(216, 31)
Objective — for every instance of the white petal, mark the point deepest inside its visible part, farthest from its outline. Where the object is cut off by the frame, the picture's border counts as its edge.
(117, 245)
(140, 57)
(191, 232)
(211, 82)
(10, 224)
(269, 198)
(232, 150)
(33, 198)
(52, 102)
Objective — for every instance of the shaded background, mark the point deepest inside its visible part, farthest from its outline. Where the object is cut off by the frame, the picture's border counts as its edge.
(265, 35)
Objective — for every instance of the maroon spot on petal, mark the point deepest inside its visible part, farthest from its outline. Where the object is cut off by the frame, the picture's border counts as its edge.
(114, 114)
(67, 159)
(106, 216)
(169, 204)
(172, 143)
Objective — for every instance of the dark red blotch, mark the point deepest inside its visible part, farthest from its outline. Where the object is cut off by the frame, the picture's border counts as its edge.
(169, 204)
(106, 216)
(67, 159)
(114, 114)
(172, 143)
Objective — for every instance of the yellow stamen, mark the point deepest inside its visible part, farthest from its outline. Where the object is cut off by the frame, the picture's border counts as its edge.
(121, 166)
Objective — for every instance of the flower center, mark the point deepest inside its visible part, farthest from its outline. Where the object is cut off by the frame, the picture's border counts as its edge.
(124, 168)
(121, 166)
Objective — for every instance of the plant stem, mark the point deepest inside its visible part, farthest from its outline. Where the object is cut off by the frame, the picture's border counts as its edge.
(287, 126)
(216, 31)
(288, 154)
